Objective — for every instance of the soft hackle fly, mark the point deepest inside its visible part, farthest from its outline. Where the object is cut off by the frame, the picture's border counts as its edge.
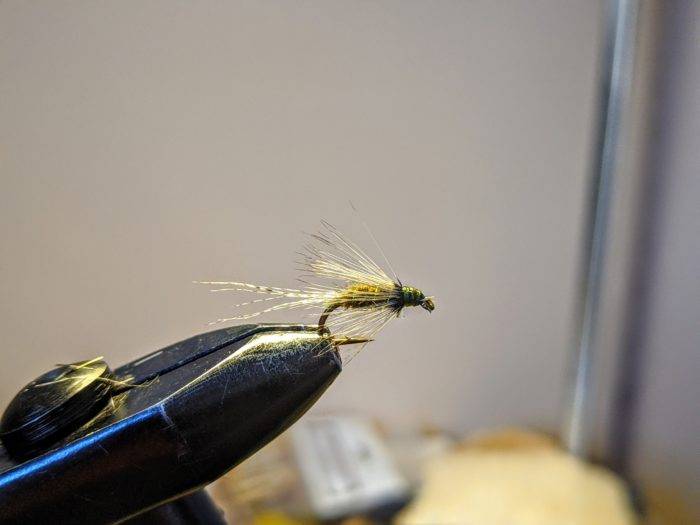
(355, 296)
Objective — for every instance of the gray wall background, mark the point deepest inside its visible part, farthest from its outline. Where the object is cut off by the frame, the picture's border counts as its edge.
(144, 145)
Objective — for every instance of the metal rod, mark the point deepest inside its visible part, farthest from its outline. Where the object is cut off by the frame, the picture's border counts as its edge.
(615, 81)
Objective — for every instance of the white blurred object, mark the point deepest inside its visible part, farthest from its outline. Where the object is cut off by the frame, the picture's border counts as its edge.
(345, 466)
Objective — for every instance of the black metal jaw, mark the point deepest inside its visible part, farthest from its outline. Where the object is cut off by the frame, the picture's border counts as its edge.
(196, 409)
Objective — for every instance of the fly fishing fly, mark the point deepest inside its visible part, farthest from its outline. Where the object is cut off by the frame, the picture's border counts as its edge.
(354, 295)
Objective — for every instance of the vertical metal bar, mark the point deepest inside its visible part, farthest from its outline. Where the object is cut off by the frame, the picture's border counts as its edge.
(666, 33)
(615, 80)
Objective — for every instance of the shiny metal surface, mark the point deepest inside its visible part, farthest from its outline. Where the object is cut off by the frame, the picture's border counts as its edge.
(615, 81)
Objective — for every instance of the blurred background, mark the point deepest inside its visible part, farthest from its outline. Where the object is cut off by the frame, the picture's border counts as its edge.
(144, 145)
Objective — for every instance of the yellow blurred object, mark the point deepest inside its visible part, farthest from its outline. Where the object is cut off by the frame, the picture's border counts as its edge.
(515, 477)
(509, 438)
(276, 518)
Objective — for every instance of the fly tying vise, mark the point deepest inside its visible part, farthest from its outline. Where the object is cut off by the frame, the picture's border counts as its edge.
(356, 297)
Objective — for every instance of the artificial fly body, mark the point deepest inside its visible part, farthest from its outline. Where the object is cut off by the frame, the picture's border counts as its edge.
(355, 297)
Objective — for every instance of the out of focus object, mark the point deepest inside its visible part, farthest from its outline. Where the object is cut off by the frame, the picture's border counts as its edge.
(269, 488)
(412, 449)
(518, 477)
(615, 82)
(346, 468)
(266, 488)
